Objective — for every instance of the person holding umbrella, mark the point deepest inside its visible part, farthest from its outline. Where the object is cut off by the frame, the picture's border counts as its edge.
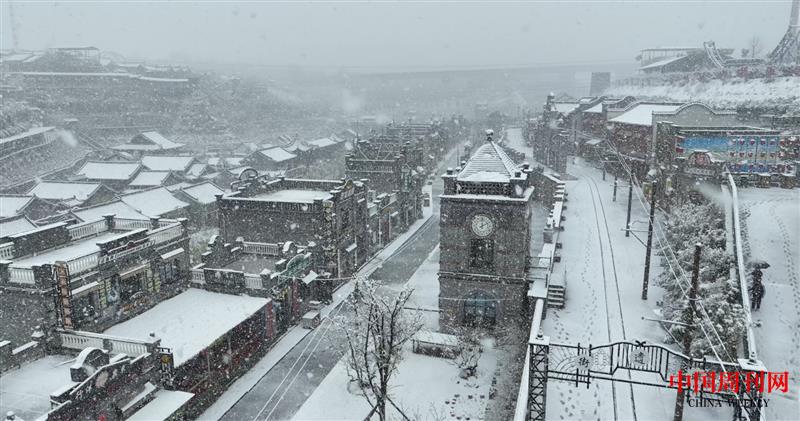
(757, 289)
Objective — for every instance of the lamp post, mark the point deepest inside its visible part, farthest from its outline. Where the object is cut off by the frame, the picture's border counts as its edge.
(646, 279)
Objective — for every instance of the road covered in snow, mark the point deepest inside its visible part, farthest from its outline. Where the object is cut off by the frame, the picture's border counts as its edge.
(771, 219)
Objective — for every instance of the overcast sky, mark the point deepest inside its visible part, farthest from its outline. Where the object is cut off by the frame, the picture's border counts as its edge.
(389, 35)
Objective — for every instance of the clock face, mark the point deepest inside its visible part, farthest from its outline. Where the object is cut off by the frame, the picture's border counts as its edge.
(482, 225)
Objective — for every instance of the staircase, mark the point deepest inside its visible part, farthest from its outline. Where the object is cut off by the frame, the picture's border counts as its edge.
(556, 296)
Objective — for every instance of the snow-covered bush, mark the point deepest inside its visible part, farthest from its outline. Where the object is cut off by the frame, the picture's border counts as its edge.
(719, 309)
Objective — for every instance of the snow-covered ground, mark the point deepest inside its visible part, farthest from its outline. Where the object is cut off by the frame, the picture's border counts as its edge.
(604, 284)
(721, 94)
(771, 231)
(425, 387)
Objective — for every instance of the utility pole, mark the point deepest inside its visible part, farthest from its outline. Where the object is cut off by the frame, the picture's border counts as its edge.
(646, 279)
(630, 199)
(615, 189)
(687, 337)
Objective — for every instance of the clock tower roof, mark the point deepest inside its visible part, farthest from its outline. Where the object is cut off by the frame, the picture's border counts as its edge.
(489, 163)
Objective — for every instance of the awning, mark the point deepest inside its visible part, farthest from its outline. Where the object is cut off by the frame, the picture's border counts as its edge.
(132, 272)
(172, 254)
(85, 289)
(351, 247)
(311, 277)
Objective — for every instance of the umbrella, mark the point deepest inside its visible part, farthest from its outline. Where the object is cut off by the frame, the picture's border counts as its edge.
(758, 264)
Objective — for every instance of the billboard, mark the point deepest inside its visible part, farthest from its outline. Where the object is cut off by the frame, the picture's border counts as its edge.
(740, 153)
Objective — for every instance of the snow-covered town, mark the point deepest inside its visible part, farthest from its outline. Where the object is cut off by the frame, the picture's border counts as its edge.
(251, 211)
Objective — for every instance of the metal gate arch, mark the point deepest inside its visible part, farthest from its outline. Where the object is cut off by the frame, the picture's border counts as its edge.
(581, 364)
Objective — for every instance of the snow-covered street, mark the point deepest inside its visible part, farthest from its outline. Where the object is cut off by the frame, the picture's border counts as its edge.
(772, 230)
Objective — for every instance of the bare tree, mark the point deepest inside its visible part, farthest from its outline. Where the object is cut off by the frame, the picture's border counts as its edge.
(469, 350)
(376, 333)
(754, 46)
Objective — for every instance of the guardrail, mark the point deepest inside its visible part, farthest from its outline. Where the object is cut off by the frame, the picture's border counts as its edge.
(87, 229)
(267, 249)
(750, 342)
(7, 251)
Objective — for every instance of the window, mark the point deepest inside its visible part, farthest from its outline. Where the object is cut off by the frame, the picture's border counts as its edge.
(481, 253)
(131, 286)
(480, 308)
(170, 271)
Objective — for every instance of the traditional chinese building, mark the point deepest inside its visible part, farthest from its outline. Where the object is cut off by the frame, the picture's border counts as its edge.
(485, 239)
(99, 272)
(330, 213)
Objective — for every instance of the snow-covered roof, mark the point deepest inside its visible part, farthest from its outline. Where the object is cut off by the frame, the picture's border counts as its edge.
(109, 170)
(489, 163)
(596, 109)
(196, 170)
(184, 329)
(26, 390)
(61, 190)
(13, 226)
(662, 62)
(165, 403)
(277, 154)
(32, 132)
(167, 163)
(72, 251)
(321, 143)
(150, 178)
(294, 196)
(158, 139)
(642, 114)
(118, 208)
(565, 107)
(154, 202)
(297, 146)
(12, 205)
(204, 193)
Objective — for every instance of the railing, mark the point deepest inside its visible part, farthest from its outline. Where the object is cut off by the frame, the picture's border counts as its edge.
(21, 275)
(7, 251)
(83, 263)
(737, 245)
(131, 224)
(521, 410)
(87, 229)
(164, 234)
(267, 249)
(79, 340)
(198, 276)
(253, 281)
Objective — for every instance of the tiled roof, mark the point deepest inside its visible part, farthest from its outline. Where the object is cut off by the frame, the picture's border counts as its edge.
(642, 114)
(58, 190)
(109, 170)
(489, 163)
(203, 193)
(15, 226)
(277, 154)
(167, 163)
(118, 208)
(11, 205)
(150, 178)
(154, 202)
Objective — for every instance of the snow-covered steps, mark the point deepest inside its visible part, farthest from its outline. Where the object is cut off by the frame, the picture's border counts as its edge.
(556, 296)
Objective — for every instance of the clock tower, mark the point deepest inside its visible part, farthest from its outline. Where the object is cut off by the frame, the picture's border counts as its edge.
(485, 239)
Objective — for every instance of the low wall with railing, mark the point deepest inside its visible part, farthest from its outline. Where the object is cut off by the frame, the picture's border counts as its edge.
(80, 340)
(734, 229)
(6, 251)
(267, 249)
(87, 229)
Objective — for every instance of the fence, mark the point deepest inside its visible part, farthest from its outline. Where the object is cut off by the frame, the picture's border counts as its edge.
(198, 277)
(79, 340)
(87, 229)
(253, 281)
(164, 234)
(521, 410)
(21, 275)
(131, 224)
(267, 249)
(7, 251)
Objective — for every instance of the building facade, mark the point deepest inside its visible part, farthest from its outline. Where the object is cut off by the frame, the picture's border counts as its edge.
(485, 240)
(330, 213)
